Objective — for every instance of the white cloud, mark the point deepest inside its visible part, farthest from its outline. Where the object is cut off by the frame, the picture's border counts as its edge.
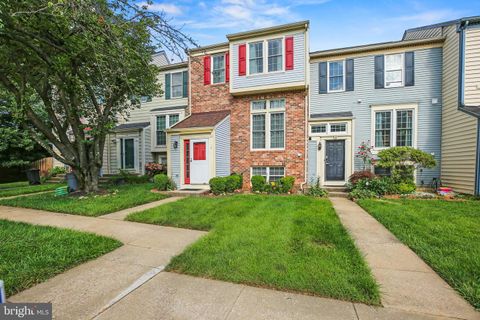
(168, 8)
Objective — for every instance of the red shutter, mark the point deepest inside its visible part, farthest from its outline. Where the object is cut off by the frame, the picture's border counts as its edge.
(206, 70)
(227, 67)
(242, 60)
(289, 53)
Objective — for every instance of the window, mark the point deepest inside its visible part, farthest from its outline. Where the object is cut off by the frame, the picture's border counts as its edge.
(336, 76)
(177, 85)
(268, 124)
(218, 69)
(319, 128)
(161, 125)
(333, 128)
(394, 70)
(275, 56)
(270, 174)
(255, 58)
(394, 128)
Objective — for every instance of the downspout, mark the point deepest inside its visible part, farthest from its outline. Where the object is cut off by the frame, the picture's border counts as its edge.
(307, 106)
(143, 151)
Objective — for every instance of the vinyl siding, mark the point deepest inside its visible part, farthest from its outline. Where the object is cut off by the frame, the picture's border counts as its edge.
(175, 160)
(472, 66)
(288, 76)
(222, 148)
(459, 129)
(312, 174)
(428, 82)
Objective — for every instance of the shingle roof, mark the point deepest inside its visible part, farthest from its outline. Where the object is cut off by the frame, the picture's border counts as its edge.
(332, 115)
(202, 120)
(132, 126)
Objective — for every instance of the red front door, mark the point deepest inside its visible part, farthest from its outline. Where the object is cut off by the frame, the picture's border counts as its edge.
(186, 160)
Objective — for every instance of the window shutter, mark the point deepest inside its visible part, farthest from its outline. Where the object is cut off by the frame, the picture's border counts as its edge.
(227, 67)
(409, 69)
(206, 70)
(379, 72)
(322, 77)
(349, 78)
(185, 84)
(289, 53)
(242, 60)
(167, 86)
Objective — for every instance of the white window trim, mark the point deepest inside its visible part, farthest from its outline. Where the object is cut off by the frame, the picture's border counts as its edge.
(402, 54)
(224, 68)
(171, 85)
(328, 76)
(153, 125)
(267, 112)
(267, 178)
(393, 129)
(265, 56)
(328, 131)
(136, 163)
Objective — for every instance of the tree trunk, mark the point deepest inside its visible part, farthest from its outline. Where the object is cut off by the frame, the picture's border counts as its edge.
(87, 178)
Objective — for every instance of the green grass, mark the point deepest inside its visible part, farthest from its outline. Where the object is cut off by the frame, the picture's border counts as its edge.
(20, 190)
(292, 243)
(13, 185)
(117, 198)
(32, 254)
(445, 234)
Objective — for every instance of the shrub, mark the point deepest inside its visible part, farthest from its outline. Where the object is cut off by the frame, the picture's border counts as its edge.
(316, 191)
(403, 161)
(406, 188)
(218, 185)
(231, 183)
(364, 174)
(152, 168)
(56, 170)
(375, 187)
(285, 184)
(163, 182)
(258, 183)
(238, 180)
(361, 194)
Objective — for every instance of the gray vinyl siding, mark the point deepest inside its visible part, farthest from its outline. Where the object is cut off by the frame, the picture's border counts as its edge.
(288, 76)
(148, 145)
(222, 148)
(174, 161)
(428, 85)
(312, 174)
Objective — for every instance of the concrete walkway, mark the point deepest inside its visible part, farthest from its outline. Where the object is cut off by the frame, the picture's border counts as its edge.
(120, 215)
(406, 281)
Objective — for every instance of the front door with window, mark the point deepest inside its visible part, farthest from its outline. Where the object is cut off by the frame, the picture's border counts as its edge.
(335, 160)
(127, 153)
(199, 168)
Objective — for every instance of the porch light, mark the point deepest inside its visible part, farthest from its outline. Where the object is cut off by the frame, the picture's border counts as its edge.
(319, 146)
(175, 144)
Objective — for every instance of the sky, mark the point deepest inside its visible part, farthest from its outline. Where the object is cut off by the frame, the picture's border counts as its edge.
(333, 23)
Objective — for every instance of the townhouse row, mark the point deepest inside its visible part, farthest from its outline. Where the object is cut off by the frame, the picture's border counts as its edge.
(262, 104)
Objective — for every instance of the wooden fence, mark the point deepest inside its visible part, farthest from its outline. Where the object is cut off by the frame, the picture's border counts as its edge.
(44, 165)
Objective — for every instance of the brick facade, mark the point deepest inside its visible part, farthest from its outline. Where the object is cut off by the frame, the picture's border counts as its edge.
(215, 97)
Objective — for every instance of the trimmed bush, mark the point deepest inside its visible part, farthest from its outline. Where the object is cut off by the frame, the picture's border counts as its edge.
(238, 180)
(163, 182)
(231, 183)
(217, 185)
(258, 183)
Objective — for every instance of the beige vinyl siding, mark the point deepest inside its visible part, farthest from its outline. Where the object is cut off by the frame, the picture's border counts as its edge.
(459, 137)
(472, 66)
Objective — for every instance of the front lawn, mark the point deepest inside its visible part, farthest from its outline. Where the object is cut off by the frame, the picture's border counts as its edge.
(10, 185)
(445, 234)
(32, 254)
(27, 189)
(292, 243)
(117, 198)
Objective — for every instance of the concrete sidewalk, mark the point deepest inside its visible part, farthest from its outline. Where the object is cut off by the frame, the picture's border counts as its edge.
(122, 214)
(406, 281)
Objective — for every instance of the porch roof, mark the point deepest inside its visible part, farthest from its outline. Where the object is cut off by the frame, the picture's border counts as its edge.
(132, 126)
(202, 120)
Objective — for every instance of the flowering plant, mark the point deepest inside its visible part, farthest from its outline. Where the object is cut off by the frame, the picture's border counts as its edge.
(152, 168)
(364, 152)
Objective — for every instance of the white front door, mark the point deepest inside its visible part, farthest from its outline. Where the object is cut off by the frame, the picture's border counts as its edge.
(199, 169)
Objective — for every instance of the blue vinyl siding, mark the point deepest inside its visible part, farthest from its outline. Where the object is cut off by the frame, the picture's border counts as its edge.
(222, 148)
(288, 76)
(175, 160)
(428, 85)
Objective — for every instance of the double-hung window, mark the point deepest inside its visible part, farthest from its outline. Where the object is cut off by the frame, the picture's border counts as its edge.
(255, 59)
(177, 85)
(394, 72)
(336, 76)
(268, 124)
(164, 122)
(218, 68)
(394, 128)
(275, 56)
(271, 174)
